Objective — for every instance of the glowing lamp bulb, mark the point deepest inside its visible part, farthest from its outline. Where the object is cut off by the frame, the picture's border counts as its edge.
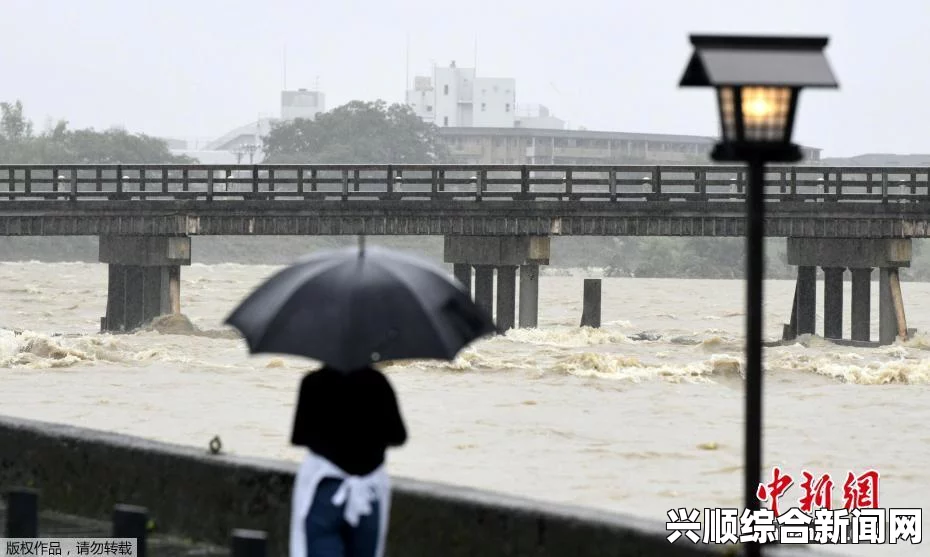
(758, 108)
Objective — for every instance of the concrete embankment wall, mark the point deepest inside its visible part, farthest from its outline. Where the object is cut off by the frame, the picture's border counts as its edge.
(193, 494)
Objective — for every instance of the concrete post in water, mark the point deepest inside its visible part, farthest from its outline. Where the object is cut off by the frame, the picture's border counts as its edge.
(506, 297)
(897, 299)
(833, 302)
(130, 521)
(484, 288)
(22, 513)
(591, 313)
(789, 330)
(174, 289)
(462, 273)
(144, 279)
(249, 543)
(529, 296)
(887, 324)
(861, 304)
(806, 300)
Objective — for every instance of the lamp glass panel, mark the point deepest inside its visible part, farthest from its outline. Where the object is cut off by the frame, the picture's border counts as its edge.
(727, 99)
(764, 111)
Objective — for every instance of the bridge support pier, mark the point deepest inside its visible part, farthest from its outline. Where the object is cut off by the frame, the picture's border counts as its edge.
(529, 296)
(861, 304)
(806, 299)
(833, 302)
(506, 297)
(504, 254)
(484, 287)
(144, 278)
(835, 255)
(462, 273)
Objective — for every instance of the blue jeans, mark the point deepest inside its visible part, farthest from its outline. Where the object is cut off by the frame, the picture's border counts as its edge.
(329, 535)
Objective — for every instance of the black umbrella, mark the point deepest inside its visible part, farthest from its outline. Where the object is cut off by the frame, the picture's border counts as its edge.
(349, 308)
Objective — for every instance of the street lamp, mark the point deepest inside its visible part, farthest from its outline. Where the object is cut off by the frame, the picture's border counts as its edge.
(758, 80)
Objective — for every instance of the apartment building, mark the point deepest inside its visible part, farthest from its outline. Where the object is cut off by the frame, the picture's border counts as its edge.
(455, 97)
(469, 145)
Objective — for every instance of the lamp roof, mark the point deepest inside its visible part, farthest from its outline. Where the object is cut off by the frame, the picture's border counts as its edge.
(721, 60)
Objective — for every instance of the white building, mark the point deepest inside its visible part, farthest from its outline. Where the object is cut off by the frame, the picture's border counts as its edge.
(456, 97)
(301, 104)
(243, 144)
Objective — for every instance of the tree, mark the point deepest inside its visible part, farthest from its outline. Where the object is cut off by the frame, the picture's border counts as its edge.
(356, 133)
(13, 125)
(19, 145)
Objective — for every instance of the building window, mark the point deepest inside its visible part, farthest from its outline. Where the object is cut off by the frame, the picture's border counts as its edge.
(429, 108)
(483, 106)
(507, 107)
(445, 121)
(445, 89)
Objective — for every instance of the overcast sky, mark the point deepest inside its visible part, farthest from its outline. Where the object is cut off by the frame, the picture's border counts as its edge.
(197, 68)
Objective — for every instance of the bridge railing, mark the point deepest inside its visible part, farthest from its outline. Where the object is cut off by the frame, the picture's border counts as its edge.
(458, 182)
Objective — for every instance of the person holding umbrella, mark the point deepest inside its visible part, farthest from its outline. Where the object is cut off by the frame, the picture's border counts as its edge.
(351, 309)
(346, 420)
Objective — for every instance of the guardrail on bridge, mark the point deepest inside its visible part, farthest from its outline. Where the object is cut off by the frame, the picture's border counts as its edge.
(457, 182)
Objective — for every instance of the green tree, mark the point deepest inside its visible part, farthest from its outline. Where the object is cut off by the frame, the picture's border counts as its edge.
(59, 145)
(13, 125)
(356, 133)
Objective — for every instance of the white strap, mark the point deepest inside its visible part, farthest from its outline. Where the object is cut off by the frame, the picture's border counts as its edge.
(357, 494)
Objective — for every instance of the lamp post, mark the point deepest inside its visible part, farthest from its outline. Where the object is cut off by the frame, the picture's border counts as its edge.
(758, 80)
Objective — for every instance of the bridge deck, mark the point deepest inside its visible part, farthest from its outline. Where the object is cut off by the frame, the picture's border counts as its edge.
(457, 199)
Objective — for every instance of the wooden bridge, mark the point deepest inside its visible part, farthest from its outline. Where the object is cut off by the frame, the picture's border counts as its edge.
(808, 201)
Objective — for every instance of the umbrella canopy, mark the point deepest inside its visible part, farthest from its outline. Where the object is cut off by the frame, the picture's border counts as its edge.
(350, 308)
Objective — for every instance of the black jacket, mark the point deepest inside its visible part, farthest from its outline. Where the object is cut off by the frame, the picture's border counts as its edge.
(349, 418)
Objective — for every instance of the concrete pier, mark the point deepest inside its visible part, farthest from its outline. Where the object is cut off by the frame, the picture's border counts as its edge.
(892, 323)
(897, 300)
(503, 254)
(506, 297)
(886, 321)
(861, 304)
(484, 287)
(833, 302)
(529, 296)
(144, 278)
(591, 311)
(462, 273)
(806, 300)
(835, 255)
